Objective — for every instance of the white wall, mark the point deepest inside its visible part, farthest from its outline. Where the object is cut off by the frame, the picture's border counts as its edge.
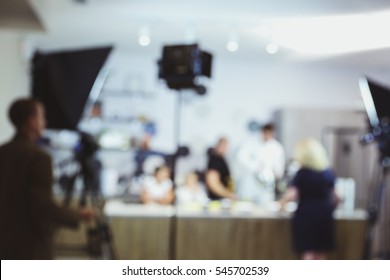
(238, 92)
(13, 78)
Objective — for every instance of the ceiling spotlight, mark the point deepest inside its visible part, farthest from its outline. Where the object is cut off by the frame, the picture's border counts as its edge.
(272, 48)
(144, 40)
(232, 46)
(144, 36)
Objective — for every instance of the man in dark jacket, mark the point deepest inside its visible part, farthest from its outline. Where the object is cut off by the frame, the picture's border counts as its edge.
(28, 213)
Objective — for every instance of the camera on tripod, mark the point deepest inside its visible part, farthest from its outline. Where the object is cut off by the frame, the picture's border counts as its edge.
(376, 99)
(182, 65)
(381, 135)
(65, 82)
(86, 147)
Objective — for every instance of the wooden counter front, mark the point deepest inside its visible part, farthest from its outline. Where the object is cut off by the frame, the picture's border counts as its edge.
(153, 232)
(241, 239)
(259, 235)
(140, 232)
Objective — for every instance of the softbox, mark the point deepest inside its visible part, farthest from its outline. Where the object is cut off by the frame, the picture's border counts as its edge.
(62, 81)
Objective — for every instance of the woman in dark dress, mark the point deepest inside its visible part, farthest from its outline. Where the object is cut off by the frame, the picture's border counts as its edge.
(313, 187)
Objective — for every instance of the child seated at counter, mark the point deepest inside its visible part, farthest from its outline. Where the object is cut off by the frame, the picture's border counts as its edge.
(158, 189)
(191, 192)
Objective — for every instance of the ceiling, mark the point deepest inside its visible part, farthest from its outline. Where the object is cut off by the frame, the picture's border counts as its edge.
(18, 14)
(304, 30)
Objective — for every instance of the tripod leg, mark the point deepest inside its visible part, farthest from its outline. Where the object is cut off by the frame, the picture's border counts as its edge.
(372, 210)
(68, 186)
(108, 249)
(384, 252)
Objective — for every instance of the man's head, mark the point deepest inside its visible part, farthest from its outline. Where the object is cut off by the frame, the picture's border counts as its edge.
(268, 132)
(221, 147)
(28, 116)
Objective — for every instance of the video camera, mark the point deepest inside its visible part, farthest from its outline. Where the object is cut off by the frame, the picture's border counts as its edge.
(376, 100)
(66, 83)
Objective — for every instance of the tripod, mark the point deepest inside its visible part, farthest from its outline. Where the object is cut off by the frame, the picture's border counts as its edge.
(377, 202)
(99, 244)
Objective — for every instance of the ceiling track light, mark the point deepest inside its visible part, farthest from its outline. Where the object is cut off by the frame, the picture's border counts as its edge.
(232, 44)
(144, 37)
(272, 48)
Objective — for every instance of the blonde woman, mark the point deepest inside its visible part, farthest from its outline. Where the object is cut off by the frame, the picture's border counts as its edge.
(313, 188)
(192, 191)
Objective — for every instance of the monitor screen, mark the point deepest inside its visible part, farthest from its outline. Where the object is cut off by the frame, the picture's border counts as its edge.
(376, 98)
(63, 81)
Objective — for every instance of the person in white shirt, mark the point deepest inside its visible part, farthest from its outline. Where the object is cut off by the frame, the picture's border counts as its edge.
(192, 192)
(262, 164)
(272, 152)
(158, 188)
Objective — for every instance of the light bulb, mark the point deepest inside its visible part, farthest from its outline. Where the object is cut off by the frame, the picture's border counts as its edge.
(144, 40)
(272, 48)
(232, 46)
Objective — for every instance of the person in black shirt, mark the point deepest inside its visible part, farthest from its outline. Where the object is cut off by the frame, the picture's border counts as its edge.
(218, 179)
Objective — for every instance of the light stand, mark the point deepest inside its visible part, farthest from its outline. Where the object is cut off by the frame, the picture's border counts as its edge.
(173, 225)
(378, 200)
(179, 66)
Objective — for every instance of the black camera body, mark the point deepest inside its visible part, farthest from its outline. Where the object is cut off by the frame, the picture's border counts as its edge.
(376, 98)
(86, 147)
(381, 135)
